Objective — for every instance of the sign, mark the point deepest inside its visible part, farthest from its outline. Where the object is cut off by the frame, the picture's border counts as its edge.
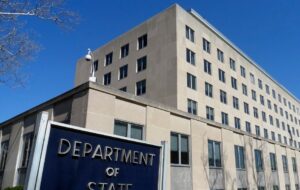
(78, 159)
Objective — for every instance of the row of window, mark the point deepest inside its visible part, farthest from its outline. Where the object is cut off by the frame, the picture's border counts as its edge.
(192, 83)
(141, 65)
(124, 50)
(191, 58)
(180, 155)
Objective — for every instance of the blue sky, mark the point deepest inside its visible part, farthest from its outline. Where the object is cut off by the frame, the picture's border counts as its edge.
(268, 31)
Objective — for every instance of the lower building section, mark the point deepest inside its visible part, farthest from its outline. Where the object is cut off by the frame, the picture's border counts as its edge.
(202, 154)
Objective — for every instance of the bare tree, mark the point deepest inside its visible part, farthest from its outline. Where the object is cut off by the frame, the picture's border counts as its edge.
(16, 44)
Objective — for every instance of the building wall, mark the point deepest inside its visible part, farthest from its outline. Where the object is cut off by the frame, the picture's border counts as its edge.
(161, 55)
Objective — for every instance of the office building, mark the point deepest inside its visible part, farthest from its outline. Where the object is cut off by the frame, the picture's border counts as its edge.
(229, 124)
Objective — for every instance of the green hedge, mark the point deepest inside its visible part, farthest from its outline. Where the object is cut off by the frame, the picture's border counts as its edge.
(14, 188)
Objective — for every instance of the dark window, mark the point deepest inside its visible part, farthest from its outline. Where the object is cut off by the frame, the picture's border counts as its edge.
(237, 123)
(220, 55)
(245, 91)
(191, 81)
(285, 164)
(208, 90)
(224, 118)
(257, 130)
(235, 102)
(124, 50)
(273, 162)
(207, 67)
(4, 152)
(221, 75)
(246, 108)
(141, 87)
(179, 149)
(294, 164)
(190, 57)
(109, 58)
(206, 45)
(123, 71)
(232, 64)
(243, 71)
(192, 106)
(214, 153)
(233, 83)
(130, 130)
(107, 79)
(239, 157)
(141, 63)
(210, 113)
(258, 160)
(190, 34)
(248, 127)
(124, 89)
(96, 63)
(142, 41)
(223, 96)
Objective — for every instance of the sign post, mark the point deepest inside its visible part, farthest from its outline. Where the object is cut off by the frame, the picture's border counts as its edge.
(77, 158)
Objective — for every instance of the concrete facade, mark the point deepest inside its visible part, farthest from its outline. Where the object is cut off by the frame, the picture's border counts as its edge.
(162, 110)
(97, 107)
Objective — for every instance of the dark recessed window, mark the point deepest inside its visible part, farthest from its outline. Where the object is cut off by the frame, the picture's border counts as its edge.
(141, 87)
(123, 72)
(124, 51)
(109, 59)
(142, 41)
(107, 79)
(141, 64)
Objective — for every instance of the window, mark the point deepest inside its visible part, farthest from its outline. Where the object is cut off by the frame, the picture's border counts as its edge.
(141, 87)
(142, 41)
(257, 130)
(294, 164)
(279, 138)
(124, 50)
(208, 90)
(214, 154)
(223, 97)
(260, 84)
(210, 113)
(248, 126)
(267, 89)
(262, 100)
(108, 58)
(246, 108)
(237, 123)
(221, 75)
(207, 67)
(273, 162)
(192, 107)
(266, 134)
(253, 92)
(190, 56)
(233, 83)
(26, 149)
(206, 45)
(271, 120)
(287, 187)
(245, 91)
(4, 152)
(269, 104)
(107, 78)
(258, 160)
(279, 98)
(220, 55)
(273, 135)
(275, 187)
(224, 118)
(252, 78)
(260, 188)
(129, 130)
(264, 117)
(243, 71)
(232, 64)
(189, 33)
(239, 157)
(124, 89)
(235, 102)
(274, 94)
(123, 71)
(179, 149)
(285, 164)
(191, 81)
(95, 65)
(141, 64)
(255, 112)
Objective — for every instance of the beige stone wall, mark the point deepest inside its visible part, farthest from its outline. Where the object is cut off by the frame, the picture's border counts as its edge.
(160, 121)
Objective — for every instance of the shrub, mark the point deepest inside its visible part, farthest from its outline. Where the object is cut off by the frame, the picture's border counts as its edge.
(14, 188)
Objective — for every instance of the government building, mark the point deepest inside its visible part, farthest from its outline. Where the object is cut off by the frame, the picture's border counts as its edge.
(176, 78)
